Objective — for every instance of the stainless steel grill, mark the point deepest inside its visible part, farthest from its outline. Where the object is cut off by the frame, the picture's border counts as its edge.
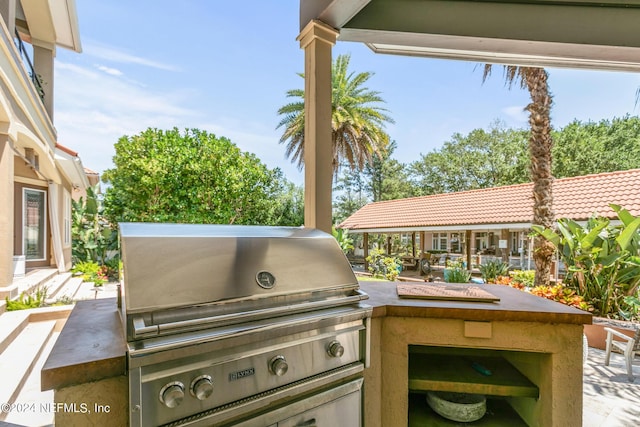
(241, 325)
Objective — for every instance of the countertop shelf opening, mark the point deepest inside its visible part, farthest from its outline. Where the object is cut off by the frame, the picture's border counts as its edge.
(456, 373)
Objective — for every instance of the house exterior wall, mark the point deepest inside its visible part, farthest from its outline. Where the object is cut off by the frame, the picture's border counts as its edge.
(26, 134)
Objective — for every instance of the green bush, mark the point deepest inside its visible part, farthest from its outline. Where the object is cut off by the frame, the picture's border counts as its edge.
(523, 277)
(602, 261)
(25, 301)
(383, 266)
(456, 273)
(493, 269)
(91, 272)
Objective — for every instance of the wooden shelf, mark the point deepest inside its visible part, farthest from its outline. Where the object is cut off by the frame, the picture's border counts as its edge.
(499, 414)
(454, 372)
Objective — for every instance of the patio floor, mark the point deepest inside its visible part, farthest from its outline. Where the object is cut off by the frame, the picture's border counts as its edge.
(610, 400)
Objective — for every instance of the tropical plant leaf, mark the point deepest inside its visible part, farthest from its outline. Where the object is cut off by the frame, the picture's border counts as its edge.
(626, 236)
(587, 241)
(624, 215)
(547, 233)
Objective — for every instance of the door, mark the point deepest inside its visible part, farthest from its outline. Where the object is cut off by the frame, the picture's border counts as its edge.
(34, 224)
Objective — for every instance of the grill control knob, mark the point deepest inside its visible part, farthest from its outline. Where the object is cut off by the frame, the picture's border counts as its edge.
(335, 349)
(278, 365)
(172, 394)
(201, 387)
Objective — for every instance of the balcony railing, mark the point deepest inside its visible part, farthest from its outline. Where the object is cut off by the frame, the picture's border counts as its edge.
(37, 82)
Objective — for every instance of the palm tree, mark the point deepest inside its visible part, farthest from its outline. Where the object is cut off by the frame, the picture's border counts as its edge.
(357, 122)
(540, 143)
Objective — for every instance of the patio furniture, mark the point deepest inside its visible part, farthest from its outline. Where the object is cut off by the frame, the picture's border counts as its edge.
(425, 263)
(628, 346)
(409, 262)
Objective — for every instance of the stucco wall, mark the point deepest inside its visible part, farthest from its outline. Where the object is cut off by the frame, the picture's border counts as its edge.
(549, 355)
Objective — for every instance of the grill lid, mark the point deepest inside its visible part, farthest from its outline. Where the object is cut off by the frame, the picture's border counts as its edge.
(177, 265)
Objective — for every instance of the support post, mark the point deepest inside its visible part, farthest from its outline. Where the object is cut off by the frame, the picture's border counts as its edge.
(6, 211)
(317, 40)
(413, 244)
(467, 248)
(365, 246)
(505, 252)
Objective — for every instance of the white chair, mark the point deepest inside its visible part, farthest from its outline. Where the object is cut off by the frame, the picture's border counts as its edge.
(628, 346)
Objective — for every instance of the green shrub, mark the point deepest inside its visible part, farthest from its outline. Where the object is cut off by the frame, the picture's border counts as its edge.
(456, 273)
(383, 266)
(91, 272)
(602, 260)
(493, 269)
(524, 277)
(25, 301)
(113, 268)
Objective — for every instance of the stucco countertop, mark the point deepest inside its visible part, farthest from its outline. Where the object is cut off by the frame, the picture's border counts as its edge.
(92, 345)
(514, 305)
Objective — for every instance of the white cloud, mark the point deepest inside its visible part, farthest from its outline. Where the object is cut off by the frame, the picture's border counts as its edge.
(516, 113)
(109, 53)
(94, 109)
(109, 70)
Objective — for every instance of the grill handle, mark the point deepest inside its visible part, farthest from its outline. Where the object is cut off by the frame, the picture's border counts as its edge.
(142, 330)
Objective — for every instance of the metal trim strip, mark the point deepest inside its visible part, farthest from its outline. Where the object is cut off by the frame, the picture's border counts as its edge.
(256, 402)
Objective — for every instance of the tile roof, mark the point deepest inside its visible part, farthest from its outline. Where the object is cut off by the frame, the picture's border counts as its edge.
(577, 197)
(67, 150)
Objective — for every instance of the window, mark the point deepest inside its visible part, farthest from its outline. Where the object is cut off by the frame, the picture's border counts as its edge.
(66, 220)
(455, 241)
(516, 243)
(34, 224)
(482, 241)
(439, 241)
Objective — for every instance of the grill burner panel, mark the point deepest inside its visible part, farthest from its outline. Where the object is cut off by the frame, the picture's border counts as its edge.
(243, 372)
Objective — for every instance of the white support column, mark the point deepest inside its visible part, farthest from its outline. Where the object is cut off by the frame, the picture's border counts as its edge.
(6, 211)
(317, 40)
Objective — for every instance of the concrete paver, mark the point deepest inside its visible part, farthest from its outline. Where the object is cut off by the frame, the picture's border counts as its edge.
(609, 398)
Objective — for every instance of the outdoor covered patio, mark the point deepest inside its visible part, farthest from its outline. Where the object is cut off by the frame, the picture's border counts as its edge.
(492, 223)
(585, 34)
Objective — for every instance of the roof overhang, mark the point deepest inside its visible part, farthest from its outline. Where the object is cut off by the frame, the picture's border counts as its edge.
(71, 167)
(53, 23)
(447, 228)
(568, 33)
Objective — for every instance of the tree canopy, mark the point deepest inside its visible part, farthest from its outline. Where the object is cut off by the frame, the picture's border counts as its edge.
(480, 159)
(596, 147)
(194, 177)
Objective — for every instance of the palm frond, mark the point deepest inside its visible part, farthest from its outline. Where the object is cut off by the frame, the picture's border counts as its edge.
(357, 119)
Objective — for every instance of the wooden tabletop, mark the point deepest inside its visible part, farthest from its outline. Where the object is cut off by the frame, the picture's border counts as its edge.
(514, 305)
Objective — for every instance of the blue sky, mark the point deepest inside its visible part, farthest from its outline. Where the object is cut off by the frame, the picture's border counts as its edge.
(225, 67)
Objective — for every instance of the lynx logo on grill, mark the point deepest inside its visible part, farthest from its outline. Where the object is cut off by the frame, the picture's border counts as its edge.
(265, 279)
(238, 375)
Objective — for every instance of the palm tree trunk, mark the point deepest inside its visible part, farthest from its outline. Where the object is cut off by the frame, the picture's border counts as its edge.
(540, 144)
